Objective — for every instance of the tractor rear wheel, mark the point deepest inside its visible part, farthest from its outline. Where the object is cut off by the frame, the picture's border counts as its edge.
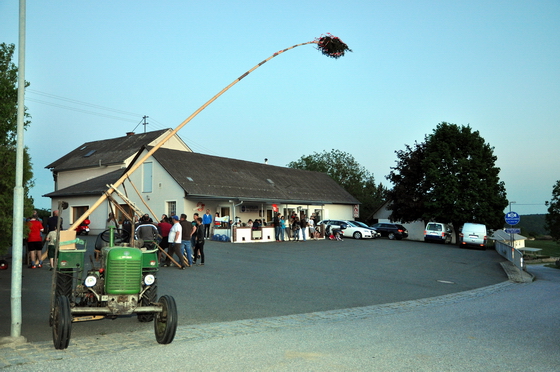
(165, 322)
(62, 323)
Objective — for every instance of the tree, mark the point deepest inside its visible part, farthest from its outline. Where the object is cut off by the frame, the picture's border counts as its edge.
(553, 216)
(348, 173)
(8, 140)
(410, 186)
(451, 178)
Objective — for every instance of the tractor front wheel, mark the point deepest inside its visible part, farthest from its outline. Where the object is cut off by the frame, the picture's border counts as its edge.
(148, 299)
(165, 322)
(61, 323)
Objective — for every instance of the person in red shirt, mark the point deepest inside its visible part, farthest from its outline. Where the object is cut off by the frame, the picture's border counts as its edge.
(164, 226)
(35, 242)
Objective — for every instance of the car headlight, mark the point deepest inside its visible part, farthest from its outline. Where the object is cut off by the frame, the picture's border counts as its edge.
(91, 280)
(149, 279)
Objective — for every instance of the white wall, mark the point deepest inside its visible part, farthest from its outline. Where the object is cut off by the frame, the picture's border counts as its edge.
(69, 178)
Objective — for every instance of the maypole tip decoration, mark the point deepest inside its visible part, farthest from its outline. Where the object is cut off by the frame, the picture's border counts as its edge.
(332, 46)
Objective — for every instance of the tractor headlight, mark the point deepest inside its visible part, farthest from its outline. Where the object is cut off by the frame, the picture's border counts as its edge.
(91, 280)
(149, 279)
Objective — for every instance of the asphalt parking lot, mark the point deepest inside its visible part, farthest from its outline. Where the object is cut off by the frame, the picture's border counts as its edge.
(257, 280)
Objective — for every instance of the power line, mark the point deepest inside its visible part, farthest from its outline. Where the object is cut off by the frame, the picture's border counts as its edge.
(99, 107)
(81, 102)
(79, 110)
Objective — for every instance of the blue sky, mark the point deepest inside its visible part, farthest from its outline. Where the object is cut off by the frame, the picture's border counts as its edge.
(96, 68)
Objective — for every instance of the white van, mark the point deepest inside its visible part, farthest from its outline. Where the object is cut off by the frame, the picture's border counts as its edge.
(437, 232)
(473, 234)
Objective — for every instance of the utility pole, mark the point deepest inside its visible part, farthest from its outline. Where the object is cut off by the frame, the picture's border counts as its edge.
(145, 124)
(17, 231)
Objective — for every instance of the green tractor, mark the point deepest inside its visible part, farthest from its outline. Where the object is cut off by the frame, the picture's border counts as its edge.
(124, 284)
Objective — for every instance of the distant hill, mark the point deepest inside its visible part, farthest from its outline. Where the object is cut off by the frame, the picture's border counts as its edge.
(532, 225)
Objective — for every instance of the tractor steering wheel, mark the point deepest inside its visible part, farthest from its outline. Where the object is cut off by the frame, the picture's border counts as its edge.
(119, 236)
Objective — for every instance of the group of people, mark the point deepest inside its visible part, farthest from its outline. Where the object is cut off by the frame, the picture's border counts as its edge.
(294, 227)
(176, 235)
(35, 240)
(184, 239)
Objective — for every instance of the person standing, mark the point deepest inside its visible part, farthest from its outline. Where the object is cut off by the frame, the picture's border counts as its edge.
(163, 227)
(217, 221)
(282, 228)
(310, 224)
(199, 250)
(303, 225)
(295, 229)
(175, 235)
(127, 228)
(186, 238)
(51, 243)
(277, 227)
(207, 221)
(52, 222)
(193, 233)
(147, 231)
(35, 242)
(112, 221)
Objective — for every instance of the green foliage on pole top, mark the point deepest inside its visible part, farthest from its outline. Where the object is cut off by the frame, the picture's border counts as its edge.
(451, 177)
(332, 46)
(553, 217)
(8, 141)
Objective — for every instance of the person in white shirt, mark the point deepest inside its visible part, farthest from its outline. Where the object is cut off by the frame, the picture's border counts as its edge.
(310, 224)
(175, 243)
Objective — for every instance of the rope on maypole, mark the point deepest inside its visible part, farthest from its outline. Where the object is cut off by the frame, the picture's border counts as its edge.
(329, 45)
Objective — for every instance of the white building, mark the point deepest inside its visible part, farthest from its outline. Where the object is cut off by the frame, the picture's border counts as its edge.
(175, 180)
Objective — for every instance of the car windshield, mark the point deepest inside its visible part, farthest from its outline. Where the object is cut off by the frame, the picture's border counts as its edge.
(352, 223)
(361, 224)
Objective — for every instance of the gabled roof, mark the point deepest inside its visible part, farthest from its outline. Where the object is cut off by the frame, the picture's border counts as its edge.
(94, 186)
(104, 152)
(212, 176)
(206, 176)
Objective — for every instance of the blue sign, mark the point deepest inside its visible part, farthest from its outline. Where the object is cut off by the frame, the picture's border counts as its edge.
(513, 231)
(512, 218)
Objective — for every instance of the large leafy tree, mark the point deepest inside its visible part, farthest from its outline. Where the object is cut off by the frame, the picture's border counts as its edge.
(348, 173)
(553, 217)
(8, 138)
(451, 177)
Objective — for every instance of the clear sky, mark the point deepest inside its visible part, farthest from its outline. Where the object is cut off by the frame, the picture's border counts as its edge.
(97, 67)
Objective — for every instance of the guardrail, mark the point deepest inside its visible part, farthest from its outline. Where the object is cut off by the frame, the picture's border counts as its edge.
(510, 253)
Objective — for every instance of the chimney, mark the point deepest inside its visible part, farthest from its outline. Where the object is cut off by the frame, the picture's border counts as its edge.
(266, 161)
(128, 134)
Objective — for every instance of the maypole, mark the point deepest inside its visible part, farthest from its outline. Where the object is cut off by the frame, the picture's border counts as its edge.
(328, 45)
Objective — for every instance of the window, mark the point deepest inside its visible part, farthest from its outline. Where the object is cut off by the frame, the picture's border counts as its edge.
(147, 177)
(77, 212)
(171, 208)
(120, 216)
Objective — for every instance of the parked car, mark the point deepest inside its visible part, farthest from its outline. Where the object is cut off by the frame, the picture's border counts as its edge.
(349, 228)
(391, 230)
(437, 232)
(473, 234)
(374, 232)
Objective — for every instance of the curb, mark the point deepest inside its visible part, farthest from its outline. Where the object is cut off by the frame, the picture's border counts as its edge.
(515, 274)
